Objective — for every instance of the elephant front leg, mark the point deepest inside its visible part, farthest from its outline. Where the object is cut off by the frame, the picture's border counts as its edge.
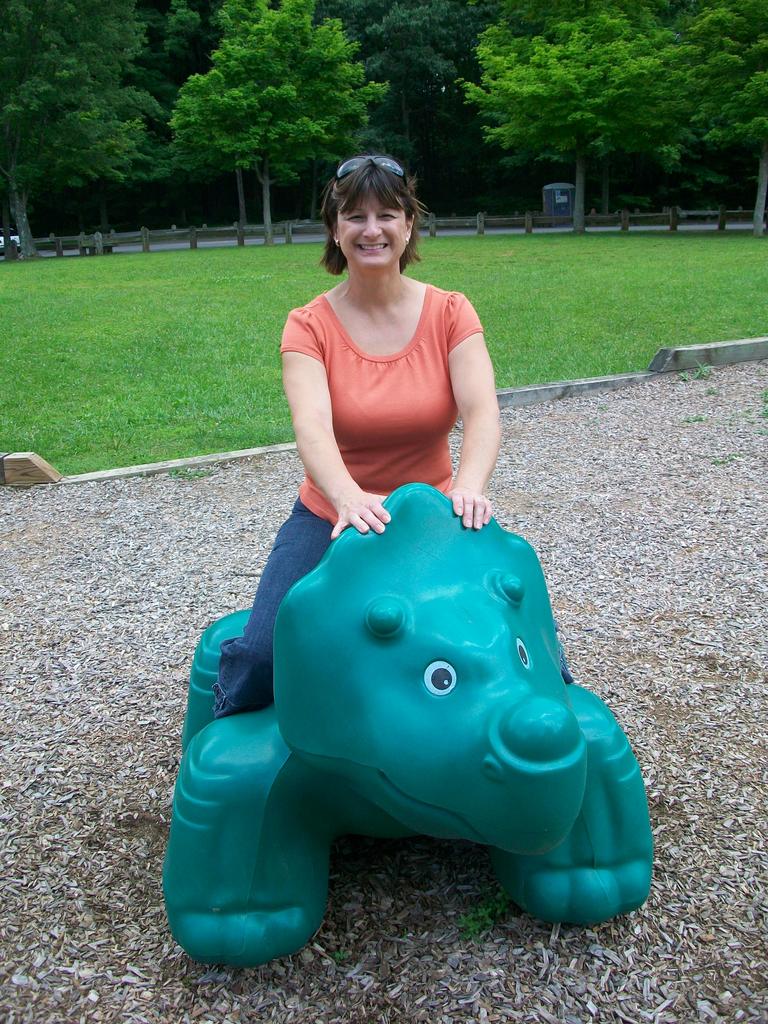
(603, 867)
(246, 872)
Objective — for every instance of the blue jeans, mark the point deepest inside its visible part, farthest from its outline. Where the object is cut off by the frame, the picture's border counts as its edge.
(245, 669)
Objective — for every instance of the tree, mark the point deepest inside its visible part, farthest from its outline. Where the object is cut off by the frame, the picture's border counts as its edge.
(727, 54)
(599, 83)
(280, 92)
(64, 117)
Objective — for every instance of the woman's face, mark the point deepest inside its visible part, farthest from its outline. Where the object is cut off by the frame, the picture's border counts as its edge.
(372, 235)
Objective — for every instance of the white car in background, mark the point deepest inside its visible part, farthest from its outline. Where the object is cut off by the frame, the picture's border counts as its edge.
(14, 238)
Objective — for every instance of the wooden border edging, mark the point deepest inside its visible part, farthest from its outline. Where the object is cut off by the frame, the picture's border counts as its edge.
(715, 353)
(666, 360)
(533, 394)
(194, 462)
(23, 469)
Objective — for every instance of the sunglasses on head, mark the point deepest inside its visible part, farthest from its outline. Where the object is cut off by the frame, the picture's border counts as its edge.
(357, 161)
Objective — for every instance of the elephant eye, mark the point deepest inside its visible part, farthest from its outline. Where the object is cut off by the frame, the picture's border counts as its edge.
(522, 653)
(440, 678)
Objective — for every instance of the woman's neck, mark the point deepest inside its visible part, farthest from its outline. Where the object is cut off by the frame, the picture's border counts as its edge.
(373, 291)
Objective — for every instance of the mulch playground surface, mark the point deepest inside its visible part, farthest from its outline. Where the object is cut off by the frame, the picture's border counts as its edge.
(647, 508)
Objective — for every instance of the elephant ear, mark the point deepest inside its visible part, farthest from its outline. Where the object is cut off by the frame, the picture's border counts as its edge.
(338, 629)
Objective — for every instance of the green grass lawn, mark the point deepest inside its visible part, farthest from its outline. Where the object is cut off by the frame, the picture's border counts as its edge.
(125, 359)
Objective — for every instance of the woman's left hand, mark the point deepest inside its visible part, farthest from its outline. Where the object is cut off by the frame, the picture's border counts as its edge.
(473, 508)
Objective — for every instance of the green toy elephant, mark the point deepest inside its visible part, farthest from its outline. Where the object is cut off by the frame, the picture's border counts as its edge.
(417, 690)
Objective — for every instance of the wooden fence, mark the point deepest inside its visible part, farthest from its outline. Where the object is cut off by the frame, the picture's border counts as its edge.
(622, 220)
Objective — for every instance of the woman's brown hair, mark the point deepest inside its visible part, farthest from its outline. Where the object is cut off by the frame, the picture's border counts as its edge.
(354, 188)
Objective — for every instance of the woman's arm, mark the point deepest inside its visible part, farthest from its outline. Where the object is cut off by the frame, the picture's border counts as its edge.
(306, 387)
(474, 389)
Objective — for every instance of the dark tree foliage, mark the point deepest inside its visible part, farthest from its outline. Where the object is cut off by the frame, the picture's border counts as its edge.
(66, 114)
(421, 49)
(727, 56)
(175, 40)
(180, 36)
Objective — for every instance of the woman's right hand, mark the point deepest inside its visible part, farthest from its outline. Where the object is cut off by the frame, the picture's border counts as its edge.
(362, 510)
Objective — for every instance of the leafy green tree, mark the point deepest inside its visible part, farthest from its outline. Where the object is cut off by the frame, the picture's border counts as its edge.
(727, 55)
(64, 116)
(599, 83)
(280, 92)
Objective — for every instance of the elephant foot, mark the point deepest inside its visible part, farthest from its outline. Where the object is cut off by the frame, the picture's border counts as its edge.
(576, 895)
(243, 938)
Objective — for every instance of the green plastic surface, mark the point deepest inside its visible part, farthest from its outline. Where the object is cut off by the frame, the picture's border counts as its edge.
(417, 690)
(205, 671)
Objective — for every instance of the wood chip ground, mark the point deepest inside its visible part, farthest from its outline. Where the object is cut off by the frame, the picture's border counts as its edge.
(648, 509)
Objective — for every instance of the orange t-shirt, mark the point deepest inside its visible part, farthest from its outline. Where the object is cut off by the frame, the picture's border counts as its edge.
(391, 414)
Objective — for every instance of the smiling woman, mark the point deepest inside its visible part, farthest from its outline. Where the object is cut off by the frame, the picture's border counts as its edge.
(376, 372)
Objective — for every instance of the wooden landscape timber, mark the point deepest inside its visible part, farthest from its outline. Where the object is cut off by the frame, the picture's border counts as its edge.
(23, 469)
(717, 353)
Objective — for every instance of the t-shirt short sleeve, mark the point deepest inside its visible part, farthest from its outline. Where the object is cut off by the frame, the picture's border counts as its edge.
(303, 333)
(461, 320)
